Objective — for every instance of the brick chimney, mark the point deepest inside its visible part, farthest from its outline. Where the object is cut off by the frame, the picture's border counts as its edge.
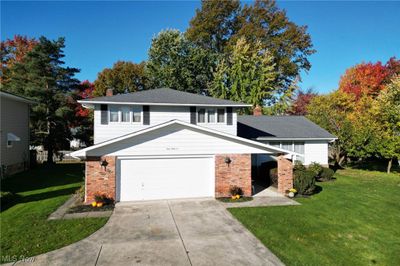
(109, 92)
(257, 110)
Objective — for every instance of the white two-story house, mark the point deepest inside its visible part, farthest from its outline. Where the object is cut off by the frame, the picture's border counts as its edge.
(163, 144)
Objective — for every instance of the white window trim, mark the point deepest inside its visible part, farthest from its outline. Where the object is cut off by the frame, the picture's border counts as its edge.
(215, 116)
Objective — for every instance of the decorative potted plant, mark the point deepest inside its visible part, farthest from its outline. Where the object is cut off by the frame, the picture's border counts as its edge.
(236, 192)
(292, 192)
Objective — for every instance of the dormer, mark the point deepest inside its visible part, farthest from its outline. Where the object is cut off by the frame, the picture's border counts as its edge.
(117, 115)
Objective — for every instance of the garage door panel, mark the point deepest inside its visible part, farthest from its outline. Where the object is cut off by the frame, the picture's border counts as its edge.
(166, 178)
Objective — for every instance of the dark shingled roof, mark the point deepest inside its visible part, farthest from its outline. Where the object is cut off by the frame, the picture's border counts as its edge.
(164, 96)
(280, 127)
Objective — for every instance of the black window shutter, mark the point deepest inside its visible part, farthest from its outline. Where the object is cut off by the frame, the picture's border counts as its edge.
(229, 115)
(146, 115)
(193, 115)
(104, 114)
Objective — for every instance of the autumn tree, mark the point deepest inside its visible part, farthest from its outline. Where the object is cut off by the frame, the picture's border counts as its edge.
(177, 63)
(247, 75)
(123, 77)
(368, 79)
(42, 76)
(331, 112)
(301, 101)
(81, 123)
(218, 25)
(13, 51)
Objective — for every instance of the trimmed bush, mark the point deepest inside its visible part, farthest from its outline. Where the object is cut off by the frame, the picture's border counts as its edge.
(316, 168)
(298, 166)
(235, 190)
(304, 181)
(326, 174)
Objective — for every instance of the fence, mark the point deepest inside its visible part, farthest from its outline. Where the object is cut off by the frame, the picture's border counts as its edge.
(60, 156)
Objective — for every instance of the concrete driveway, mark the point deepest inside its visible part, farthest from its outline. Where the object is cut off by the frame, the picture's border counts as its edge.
(175, 232)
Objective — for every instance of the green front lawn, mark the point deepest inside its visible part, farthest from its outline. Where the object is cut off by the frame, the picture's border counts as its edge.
(352, 221)
(25, 230)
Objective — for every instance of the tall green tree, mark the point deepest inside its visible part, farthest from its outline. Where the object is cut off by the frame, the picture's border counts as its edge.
(247, 75)
(219, 24)
(389, 118)
(43, 77)
(123, 77)
(177, 63)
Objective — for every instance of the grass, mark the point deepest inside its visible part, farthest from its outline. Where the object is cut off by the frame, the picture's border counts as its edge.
(352, 221)
(25, 230)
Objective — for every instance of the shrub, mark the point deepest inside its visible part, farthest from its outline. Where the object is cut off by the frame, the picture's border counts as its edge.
(304, 181)
(326, 173)
(235, 190)
(298, 166)
(316, 168)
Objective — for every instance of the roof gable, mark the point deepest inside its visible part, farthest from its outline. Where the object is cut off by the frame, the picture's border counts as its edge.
(163, 96)
(280, 127)
(167, 129)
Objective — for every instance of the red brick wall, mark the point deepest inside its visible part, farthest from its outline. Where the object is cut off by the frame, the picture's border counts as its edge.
(238, 173)
(285, 174)
(100, 180)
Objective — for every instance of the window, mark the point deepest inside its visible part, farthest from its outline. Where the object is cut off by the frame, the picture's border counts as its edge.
(201, 115)
(211, 115)
(125, 114)
(275, 144)
(221, 115)
(137, 114)
(114, 114)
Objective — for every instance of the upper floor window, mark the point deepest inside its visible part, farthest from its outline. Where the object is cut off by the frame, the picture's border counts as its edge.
(211, 115)
(126, 114)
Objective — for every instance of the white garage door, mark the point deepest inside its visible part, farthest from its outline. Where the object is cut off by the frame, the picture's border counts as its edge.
(165, 178)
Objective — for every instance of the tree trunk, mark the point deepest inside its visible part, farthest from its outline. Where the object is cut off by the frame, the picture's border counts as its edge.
(389, 166)
(50, 154)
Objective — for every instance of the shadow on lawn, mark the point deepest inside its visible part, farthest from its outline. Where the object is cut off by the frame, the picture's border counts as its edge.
(43, 177)
(36, 197)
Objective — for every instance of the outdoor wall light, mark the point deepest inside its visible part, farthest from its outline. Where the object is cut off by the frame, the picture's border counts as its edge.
(103, 163)
(228, 160)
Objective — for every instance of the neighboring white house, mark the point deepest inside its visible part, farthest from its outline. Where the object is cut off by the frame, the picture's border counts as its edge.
(14, 133)
(163, 143)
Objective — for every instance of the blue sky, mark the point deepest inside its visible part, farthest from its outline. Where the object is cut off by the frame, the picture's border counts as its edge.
(101, 33)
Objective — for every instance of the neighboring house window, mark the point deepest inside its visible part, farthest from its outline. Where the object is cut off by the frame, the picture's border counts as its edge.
(211, 115)
(221, 115)
(125, 114)
(287, 146)
(137, 114)
(275, 144)
(114, 114)
(11, 138)
(201, 115)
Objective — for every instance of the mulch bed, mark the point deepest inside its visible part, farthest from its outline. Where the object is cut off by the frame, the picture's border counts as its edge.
(89, 208)
(230, 200)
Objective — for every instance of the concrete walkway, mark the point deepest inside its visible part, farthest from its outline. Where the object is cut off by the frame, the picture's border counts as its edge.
(176, 232)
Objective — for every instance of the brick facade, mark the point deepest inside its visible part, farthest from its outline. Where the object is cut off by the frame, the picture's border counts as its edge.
(235, 173)
(285, 174)
(100, 179)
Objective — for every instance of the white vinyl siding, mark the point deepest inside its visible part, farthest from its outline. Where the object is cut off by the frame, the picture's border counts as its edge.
(316, 151)
(158, 115)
